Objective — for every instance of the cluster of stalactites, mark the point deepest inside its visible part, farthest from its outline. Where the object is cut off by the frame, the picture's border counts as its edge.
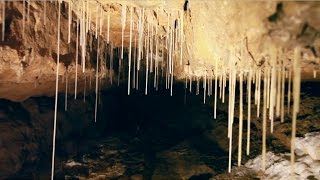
(270, 78)
(147, 47)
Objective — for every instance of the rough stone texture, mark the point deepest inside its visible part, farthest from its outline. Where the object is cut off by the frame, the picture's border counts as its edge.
(26, 134)
(28, 66)
(213, 29)
(310, 145)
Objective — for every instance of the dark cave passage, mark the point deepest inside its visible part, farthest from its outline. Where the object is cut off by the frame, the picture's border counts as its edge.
(149, 137)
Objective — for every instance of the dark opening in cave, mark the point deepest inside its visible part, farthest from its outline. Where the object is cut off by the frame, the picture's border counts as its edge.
(137, 136)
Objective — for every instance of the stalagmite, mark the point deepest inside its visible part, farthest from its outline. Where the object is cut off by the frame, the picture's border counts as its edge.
(240, 118)
(296, 102)
(76, 64)
(56, 95)
(66, 95)
(129, 56)
(249, 111)
(123, 25)
(3, 19)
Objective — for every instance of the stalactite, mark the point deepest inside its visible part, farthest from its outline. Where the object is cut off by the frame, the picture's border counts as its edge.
(96, 24)
(220, 85)
(76, 64)
(129, 56)
(123, 25)
(111, 63)
(204, 86)
(224, 86)
(170, 47)
(198, 85)
(181, 36)
(147, 58)
(69, 20)
(314, 73)
(56, 95)
(97, 80)
(296, 102)
(190, 84)
(134, 63)
(171, 87)
(282, 92)
(215, 89)
(232, 83)
(278, 96)
(273, 87)
(258, 92)
(84, 87)
(141, 28)
(249, 111)
(101, 21)
(119, 68)
(240, 119)
(268, 86)
(66, 95)
(264, 125)
(108, 26)
(151, 49)
(256, 87)
(83, 37)
(156, 60)
(289, 91)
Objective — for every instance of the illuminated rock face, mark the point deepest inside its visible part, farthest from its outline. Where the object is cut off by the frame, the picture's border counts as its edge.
(212, 31)
(271, 45)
